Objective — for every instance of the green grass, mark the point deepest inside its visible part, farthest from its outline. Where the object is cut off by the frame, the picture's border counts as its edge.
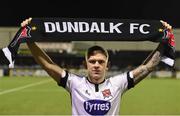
(149, 97)
(153, 96)
(43, 99)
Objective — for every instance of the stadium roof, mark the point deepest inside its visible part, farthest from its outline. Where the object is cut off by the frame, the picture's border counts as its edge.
(14, 11)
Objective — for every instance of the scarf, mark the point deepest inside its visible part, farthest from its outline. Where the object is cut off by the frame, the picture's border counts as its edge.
(90, 29)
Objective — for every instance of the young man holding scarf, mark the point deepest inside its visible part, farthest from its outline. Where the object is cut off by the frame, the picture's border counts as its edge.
(95, 94)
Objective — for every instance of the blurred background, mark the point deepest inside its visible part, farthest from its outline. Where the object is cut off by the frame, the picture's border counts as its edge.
(70, 55)
(124, 55)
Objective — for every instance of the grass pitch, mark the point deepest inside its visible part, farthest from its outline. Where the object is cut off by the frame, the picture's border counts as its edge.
(42, 96)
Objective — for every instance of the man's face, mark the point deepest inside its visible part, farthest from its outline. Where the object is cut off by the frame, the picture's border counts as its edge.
(97, 66)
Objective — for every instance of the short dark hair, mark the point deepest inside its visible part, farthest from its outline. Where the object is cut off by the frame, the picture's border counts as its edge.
(91, 50)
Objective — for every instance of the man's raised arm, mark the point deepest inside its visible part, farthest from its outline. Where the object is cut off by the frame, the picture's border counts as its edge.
(148, 65)
(151, 61)
(43, 59)
(46, 63)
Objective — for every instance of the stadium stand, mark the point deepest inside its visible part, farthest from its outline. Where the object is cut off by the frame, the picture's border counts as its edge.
(70, 55)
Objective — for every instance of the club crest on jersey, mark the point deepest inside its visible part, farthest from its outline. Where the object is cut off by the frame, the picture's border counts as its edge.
(106, 93)
(97, 107)
(23, 34)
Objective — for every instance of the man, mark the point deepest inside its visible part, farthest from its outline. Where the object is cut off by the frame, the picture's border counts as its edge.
(96, 94)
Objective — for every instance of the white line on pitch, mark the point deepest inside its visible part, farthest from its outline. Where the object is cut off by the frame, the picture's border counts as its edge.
(23, 87)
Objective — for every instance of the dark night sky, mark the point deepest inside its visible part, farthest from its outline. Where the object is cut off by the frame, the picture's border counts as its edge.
(13, 12)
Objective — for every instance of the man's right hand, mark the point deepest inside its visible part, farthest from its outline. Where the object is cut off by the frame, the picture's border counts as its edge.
(26, 22)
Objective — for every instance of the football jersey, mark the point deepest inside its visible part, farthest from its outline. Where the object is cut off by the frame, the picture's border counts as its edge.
(96, 99)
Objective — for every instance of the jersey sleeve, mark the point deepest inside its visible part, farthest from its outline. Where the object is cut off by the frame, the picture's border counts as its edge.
(123, 81)
(69, 81)
(64, 79)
